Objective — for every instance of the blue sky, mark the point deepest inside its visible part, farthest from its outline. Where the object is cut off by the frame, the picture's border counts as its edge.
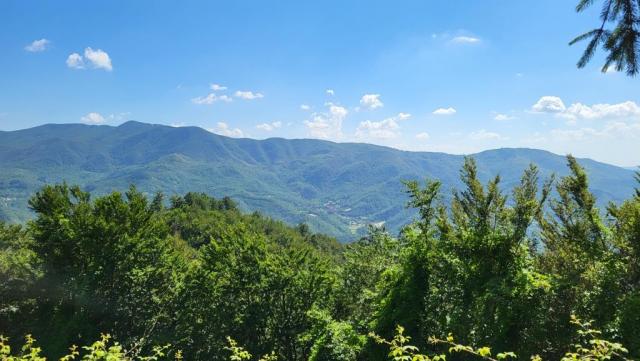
(452, 76)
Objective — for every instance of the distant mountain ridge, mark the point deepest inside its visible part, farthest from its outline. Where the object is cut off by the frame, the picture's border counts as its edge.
(336, 188)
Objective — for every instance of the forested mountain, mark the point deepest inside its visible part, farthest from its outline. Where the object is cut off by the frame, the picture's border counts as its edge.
(336, 188)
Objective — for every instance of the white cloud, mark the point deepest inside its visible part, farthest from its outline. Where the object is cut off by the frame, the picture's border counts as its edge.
(248, 95)
(403, 116)
(465, 40)
(321, 126)
(75, 61)
(596, 111)
(38, 46)
(213, 97)
(93, 118)
(422, 136)
(327, 125)
(444, 111)
(384, 129)
(223, 128)
(549, 104)
(97, 118)
(555, 105)
(98, 58)
(503, 117)
(337, 111)
(217, 87)
(210, 99)
(267, 127)
(304, 107)
(371, 101)
(330, 92)
(485, 135)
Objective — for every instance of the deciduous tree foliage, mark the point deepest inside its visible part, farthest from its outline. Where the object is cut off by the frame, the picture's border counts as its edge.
(504, 270)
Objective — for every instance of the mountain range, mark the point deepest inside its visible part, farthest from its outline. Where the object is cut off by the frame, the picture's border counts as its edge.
(336, 188)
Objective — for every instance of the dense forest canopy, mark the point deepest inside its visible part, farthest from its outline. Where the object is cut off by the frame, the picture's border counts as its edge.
(504, 270)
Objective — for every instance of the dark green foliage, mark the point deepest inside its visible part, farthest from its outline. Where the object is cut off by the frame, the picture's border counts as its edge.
(241, 288)
(621, 43)
(497, 268)
(19, 268)
(368, 262)
(469, 269)
(332, 340)
(107, 265)
(193, 273)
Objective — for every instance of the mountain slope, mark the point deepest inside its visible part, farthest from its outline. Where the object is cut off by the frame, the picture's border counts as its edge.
(337, 188)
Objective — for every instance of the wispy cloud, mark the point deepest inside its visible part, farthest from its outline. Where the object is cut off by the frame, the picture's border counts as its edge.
(248, 95)
(503, 117)
(445, 111)
(267, 127)
(327, 125)
(385, 129)
(223, 128)
(213, 96)
(217, 87)
(97, 118)
(371, 101)
(210, 99)
(465, 40)
(38, 46)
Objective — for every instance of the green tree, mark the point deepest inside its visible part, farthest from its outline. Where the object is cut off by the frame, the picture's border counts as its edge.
(368, 264)
(108, 265)
(19, 271)
(620, 42)
(626, 252)
(469, 269)
(258, 292)
(577, 255)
